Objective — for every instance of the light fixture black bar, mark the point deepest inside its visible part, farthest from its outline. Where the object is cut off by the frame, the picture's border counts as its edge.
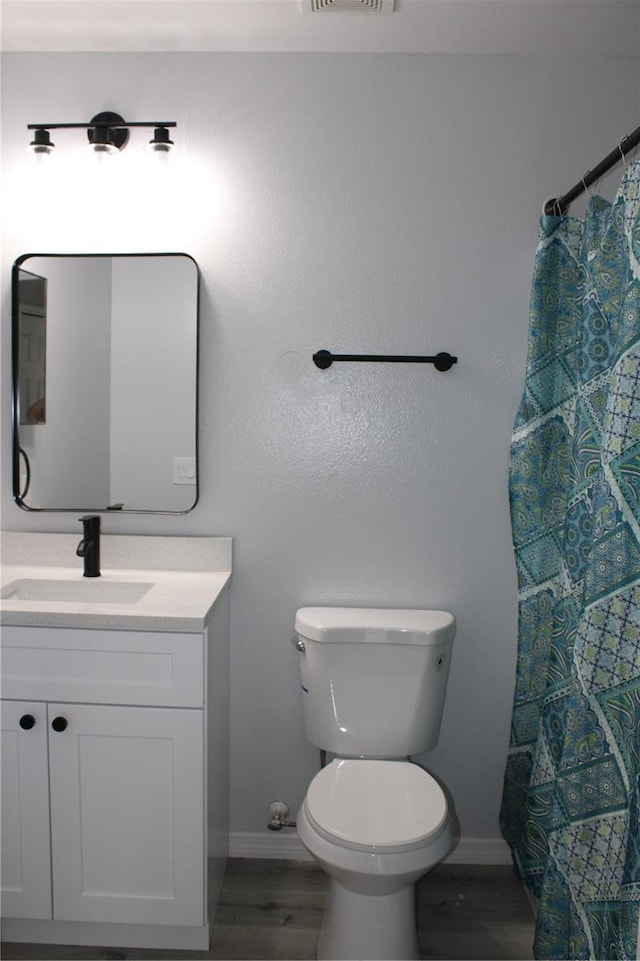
(441, 361)
(87, 126)
(559, 205)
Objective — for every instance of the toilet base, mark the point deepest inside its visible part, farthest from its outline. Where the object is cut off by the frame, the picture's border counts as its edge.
(364, 926)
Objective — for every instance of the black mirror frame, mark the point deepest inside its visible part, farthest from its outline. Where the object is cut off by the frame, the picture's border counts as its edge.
(16, 449)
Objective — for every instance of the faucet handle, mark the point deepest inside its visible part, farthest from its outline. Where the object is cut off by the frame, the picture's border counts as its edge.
(89, 546)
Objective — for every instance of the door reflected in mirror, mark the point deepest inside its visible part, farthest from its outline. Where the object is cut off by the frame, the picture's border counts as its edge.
(32, 323)
(105, 370)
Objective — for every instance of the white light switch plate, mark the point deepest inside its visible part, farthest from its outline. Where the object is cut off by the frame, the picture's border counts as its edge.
(184, 470)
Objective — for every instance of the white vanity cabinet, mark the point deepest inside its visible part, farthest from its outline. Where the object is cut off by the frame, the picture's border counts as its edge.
(26, 870)
(127, 819)
(107, 739)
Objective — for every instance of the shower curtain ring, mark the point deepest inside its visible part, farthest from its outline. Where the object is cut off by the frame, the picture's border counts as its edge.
(622, 153)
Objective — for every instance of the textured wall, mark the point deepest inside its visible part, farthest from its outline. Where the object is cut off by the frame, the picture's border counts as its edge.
(380, 203)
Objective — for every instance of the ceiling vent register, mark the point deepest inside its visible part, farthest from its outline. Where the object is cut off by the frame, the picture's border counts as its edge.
(349, 6)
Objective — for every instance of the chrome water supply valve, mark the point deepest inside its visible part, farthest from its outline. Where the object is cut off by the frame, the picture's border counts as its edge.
(278, 811)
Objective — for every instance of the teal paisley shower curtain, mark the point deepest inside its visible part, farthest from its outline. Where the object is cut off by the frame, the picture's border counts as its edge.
(571, 801)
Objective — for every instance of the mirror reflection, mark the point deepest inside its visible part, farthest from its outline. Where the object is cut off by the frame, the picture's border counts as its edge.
(105, 382)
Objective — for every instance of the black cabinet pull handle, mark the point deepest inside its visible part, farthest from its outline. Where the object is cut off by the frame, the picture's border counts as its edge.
(27, 721)
(59, 724)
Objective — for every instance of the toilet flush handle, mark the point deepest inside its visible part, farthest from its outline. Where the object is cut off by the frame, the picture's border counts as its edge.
(298, 643)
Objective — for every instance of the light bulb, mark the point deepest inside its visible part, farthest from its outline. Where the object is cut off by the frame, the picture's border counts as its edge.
(101, 142)
(161, 145)
(41, 146)
(103, 149)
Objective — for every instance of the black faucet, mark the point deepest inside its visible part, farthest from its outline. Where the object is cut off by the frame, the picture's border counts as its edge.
(89, 546)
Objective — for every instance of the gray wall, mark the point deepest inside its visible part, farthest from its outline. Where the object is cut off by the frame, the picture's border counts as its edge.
(380, 203)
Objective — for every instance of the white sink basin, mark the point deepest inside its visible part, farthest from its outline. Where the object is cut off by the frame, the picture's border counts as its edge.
(89, 590)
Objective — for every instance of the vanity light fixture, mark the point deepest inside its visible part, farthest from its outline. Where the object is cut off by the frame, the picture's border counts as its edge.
(107, 132)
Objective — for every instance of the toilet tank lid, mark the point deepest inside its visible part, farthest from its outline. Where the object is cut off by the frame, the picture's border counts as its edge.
(375, 625)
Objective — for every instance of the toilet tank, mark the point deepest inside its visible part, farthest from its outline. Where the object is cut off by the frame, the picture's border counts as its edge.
(373, 680)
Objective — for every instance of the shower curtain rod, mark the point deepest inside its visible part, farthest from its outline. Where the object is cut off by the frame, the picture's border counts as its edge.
(557, 206)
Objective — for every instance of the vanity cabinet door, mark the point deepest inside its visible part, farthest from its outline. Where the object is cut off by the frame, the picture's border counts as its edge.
(26, 868)
(127, 814)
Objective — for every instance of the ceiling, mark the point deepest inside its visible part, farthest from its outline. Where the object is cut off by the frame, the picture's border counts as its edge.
(607, 27)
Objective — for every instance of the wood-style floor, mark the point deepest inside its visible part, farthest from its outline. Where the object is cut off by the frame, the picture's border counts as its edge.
(273, 910)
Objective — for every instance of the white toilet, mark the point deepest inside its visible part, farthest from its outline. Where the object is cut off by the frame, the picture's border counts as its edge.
(373, 685)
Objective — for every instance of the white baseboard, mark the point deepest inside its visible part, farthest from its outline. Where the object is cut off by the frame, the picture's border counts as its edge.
(480, 851)
(286, 844)
(268, 844)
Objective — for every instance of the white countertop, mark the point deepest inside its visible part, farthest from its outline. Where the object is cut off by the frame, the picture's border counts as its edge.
(178, 600)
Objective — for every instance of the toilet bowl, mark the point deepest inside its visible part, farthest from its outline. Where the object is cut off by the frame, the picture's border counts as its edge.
(376, 827)
(373, 684)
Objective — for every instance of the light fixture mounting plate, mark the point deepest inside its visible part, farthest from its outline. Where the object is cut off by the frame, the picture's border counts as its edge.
(115, 123)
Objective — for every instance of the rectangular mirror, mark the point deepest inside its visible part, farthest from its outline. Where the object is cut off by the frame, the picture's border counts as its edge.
(105, 381)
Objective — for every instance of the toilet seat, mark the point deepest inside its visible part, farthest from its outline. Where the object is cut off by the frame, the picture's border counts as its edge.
(376, 806)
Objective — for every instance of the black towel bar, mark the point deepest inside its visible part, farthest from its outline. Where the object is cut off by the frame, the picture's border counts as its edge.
(441, 361)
